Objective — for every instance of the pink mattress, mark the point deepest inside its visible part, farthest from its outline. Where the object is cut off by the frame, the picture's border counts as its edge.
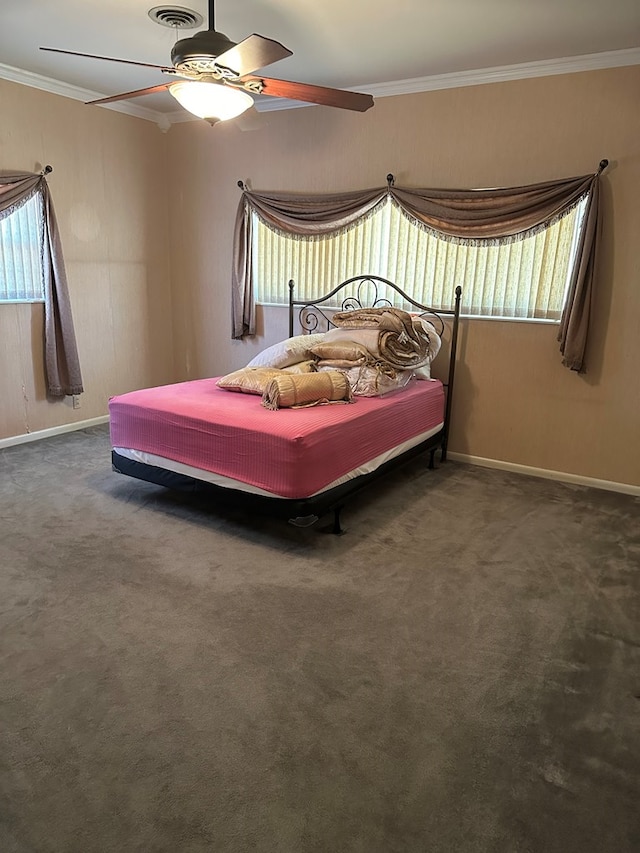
(291, 453)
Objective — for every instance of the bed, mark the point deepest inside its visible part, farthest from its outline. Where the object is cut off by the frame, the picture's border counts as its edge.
(299, 458)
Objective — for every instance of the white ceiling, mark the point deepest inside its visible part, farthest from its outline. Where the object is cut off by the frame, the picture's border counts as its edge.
(376, 46)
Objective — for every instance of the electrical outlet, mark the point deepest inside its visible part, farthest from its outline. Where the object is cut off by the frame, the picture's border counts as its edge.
(76, 401)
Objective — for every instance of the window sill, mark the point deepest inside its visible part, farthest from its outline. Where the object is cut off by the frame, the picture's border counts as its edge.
(537, 320)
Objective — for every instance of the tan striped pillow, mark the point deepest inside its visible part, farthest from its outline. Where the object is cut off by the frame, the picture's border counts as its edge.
(248, 380)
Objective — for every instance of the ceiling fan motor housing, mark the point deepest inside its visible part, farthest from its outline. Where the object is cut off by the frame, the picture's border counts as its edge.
(194, 53)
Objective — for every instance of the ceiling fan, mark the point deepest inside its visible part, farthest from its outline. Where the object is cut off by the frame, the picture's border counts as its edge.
(216, 76)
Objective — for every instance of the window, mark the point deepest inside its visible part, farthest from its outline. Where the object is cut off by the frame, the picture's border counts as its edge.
(21, 236)
(524, 279)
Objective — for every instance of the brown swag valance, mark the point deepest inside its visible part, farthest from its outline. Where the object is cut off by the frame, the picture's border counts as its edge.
(62, 367)
(467, 216)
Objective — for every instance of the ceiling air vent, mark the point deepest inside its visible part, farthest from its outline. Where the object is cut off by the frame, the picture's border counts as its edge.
(176, 17)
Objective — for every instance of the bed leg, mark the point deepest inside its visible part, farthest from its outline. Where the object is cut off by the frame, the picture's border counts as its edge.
(432, 458)
(337, 529)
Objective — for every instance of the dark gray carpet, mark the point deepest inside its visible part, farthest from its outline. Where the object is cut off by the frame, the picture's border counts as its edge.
(459, 672)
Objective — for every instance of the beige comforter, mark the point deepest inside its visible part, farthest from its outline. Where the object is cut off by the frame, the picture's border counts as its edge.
(402, 343)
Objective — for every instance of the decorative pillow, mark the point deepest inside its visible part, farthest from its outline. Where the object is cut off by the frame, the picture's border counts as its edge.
(287, 352)
(248, 380)
(346, 353)
(309, 389)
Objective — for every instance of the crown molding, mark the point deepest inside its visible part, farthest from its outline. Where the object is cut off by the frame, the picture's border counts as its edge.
(504, 73)
(66, 90)
(458, 79)
(497, 74)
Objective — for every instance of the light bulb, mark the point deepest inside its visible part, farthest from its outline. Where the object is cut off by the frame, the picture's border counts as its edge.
(211, 101)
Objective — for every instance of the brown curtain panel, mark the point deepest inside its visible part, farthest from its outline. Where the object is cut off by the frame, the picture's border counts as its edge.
(62, 367)
(469, 216)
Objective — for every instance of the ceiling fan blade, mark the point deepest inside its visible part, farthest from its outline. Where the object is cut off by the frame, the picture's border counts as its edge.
(313, 94)
(253, 52)
(149, 91)
(108, 58)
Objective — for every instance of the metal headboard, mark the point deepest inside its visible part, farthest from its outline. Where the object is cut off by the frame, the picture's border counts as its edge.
(315, 315)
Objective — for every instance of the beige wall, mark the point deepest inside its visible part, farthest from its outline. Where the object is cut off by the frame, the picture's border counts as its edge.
(109, 192)
(170, 200)
(514, 401)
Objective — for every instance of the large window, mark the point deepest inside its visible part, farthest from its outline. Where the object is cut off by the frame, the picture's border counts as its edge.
(21, 236)
(524, 279)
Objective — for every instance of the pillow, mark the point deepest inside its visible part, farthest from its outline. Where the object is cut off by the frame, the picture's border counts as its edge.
(423, 372)
(287, 352)
(346, 353)
(248, 380)
(309, 389)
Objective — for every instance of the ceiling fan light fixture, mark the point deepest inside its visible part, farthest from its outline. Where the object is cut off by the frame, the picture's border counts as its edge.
(210, 100)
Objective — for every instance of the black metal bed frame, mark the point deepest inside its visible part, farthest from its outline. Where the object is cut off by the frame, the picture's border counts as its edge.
(314, 315)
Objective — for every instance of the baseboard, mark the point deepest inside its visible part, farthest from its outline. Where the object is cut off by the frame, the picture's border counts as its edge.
(545, 473)
(49, 433)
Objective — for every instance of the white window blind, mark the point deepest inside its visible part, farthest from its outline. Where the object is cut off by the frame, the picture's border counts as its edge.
(523, 279)
(21, 235)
